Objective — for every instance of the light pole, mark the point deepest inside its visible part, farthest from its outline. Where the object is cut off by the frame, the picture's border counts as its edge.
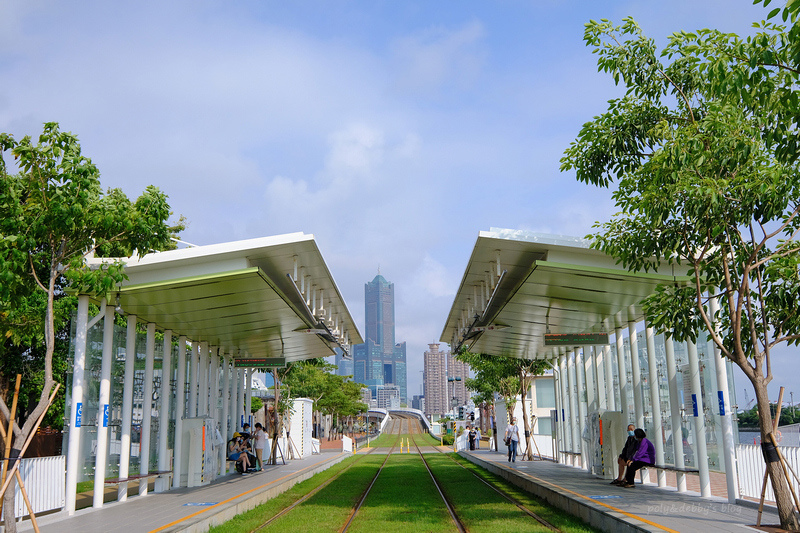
(454, 401)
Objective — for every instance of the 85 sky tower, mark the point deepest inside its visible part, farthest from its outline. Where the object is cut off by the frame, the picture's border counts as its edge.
(380, 361)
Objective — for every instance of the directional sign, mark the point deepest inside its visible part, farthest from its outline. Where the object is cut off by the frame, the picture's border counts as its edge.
(79, 415)
(105, 415)
(575, 339)
(260, 362)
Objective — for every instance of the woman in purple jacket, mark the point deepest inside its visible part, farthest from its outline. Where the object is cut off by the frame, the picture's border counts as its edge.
(645, 456)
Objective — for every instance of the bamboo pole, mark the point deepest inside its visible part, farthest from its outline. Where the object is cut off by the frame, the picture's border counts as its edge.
(22, 487)
(30, 438)
(11, 428)
(785, 473)
(766, 471)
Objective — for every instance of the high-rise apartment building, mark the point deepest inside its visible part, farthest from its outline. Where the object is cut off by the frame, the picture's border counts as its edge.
(439, 392)
(380, 361)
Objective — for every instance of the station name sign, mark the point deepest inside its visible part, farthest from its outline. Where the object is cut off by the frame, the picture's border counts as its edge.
(575, 339)
(260, 362)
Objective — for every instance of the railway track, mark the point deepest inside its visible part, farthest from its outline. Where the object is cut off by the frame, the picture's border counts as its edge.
(405, 425)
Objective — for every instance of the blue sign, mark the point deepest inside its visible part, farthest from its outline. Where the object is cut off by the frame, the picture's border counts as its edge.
(721, 403)
(105, 415)
(604, 497)
(694, 404)
(199, 504)
(78, 415)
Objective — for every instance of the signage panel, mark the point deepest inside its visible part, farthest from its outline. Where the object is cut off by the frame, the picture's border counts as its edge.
(575, 339)
(260, 362)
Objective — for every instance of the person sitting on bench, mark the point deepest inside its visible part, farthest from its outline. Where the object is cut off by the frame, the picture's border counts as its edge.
(644, 456)
(237, 452)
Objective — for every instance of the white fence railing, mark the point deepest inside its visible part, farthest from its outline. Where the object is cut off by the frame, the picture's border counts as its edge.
(751, 469)
(45, 481)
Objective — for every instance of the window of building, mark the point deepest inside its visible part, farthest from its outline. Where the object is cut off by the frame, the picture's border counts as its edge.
(545, 393)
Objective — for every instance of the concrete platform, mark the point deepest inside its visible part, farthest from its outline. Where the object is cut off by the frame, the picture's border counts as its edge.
(187, 509)
(611, 508)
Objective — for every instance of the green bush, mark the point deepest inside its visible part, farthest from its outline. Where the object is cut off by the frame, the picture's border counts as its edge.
(447, 440)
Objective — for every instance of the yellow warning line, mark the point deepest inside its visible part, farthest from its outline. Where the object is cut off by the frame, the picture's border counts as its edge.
(637, 517)
(237, 496)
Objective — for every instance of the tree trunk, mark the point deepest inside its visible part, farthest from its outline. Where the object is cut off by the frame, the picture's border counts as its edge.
(783, 498)
(8, 508)
(524, 394)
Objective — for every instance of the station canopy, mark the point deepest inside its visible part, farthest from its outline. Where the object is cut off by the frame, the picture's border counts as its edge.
(520, 287)
(267, 298)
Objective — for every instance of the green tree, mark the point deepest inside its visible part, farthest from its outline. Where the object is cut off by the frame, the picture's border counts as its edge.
(511, 378)
(703, 147)
(53, 213)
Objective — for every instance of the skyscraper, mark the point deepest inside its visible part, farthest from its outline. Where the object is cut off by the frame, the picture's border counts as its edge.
(379, 361)
(438, 391)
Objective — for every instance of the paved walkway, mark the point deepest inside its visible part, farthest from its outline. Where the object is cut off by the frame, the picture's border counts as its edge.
(611, 508)
(189, 509)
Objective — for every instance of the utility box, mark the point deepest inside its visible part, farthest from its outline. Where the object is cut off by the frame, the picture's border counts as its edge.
(604, 438)
(199, 460)
(300, 431)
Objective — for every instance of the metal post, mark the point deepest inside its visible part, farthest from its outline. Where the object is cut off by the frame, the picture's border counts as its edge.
(202, 403)
(562, 365)
(636, 375)
(76, 405)
(675, 412)
(699, 421)
(609, 378)
(248, 401)
(180, 404)
(599, 377)
(592, 401)
(623, 378)
(558, 421)
(147, 407)
(723, 394)
(103, 405)
(226, 404)
(654, 386)
(163, 411)
(127, 408)
(194, 384)
(580, 375)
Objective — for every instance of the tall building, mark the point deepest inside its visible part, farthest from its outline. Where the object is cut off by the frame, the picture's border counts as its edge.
(380, 361)
(344, 365)
(439, 392)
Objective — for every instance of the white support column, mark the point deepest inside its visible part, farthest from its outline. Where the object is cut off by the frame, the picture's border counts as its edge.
(654, 386)
(226, 404)
(241, 395)
(636, 375)
(248, 401)
(699, 422)
(76, 405)
(580, 375)
(162, 484)
(214, 385)
(232, 391)
(608, 368)
(623, 378)
(103, 406)
(202, 404)
(127, 408)
(557, 421)
(592, 403)
(573, 406)
(599, 377)
(675, 412)
(147, 406)
(180, 400)
(194, 383)
(723, 394)
(566, 433)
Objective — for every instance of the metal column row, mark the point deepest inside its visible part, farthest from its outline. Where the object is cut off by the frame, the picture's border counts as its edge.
(205, 364)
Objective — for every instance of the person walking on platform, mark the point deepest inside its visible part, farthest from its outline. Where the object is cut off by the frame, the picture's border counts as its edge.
(644, 456)
(512, 440)
(477, 438)
(259, 443)
(631, 445)
(471, 435)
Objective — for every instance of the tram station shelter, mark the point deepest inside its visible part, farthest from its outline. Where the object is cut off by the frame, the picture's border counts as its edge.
(535, 296)
(160, 400)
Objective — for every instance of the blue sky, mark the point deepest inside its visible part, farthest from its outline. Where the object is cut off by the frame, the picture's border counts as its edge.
(392, 131)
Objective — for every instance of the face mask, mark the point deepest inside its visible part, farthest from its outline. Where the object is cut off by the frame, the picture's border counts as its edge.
(631, 433)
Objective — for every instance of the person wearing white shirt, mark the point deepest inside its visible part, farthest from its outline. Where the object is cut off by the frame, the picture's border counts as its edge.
(512, 440)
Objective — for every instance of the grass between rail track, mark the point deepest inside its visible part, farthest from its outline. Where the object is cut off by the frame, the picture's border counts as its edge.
(341, 494)
(472, 506)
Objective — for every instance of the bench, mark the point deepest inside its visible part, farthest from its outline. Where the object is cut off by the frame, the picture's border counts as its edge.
(137, 477)
(675, 469)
